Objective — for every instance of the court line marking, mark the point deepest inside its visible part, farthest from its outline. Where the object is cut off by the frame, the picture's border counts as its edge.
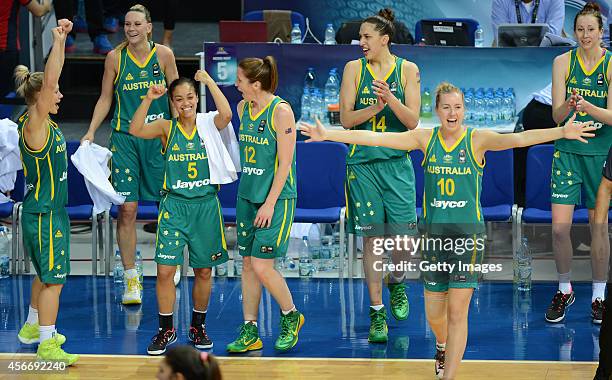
(10, 355)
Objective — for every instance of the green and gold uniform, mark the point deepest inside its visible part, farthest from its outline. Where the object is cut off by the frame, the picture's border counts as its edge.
(577, 165)
(380, 185)
(137, 164)
(452, 215)
(44, 221)
(190, 212)
(259, 161)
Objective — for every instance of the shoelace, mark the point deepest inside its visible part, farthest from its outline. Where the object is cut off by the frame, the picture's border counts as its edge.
(440, 356)
(162, 336)
(198, 334)
(398, 296)
(285, 326)
(242, 337)
(558, 301)
(378, 321)
(134, 284)
(597, 306)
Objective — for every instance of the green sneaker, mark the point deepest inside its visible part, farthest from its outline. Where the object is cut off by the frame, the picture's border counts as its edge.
(50, 350)
(290, 327)
(29, 334)
(248, 340)
(378, 326)
(399, 301)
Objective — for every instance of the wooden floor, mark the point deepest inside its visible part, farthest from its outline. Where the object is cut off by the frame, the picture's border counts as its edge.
(145, 367)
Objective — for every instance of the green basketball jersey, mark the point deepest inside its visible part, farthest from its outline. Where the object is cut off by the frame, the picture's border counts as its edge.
(45, 171)
(593, 87)
(453, 183)
(258, 155)
(186, 174)
(384, 121)
(131, 86)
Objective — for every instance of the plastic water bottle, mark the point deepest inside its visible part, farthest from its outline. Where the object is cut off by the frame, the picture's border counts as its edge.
(306, 106)
(221, 270)
(522, 266)
(491, 109)
(330, 95)
(426, 106)
(316, 104)
(237, 265)
(499, 105)
(512, 101)
(305, 263)
(118, 270)
(5, 247)
(139, 266)
(310, 80)
(330, 35)
(479, 110)
(296, 34)
(314, 246)
(469, 105)
(507, 107)
(479, 37)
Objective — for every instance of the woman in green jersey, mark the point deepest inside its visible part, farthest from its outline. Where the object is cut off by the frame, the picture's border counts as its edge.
(581, 81)
(189, 206)
(453, 163)
(137, 165)
(266, 200)
(381, 93)
(45, 223)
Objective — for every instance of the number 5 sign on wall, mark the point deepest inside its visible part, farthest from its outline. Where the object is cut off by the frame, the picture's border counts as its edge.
(222, 65)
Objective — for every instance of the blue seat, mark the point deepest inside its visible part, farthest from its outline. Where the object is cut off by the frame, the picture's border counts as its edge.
(6, 110)
(497, 198)
(296, 18)
(11, 210)
(417, 157)
(471, 24)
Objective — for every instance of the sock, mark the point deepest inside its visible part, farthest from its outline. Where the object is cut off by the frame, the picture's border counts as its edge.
(198, 318)
(599, 291)
(441, 346)
(253, 322)
(33, 315)
(289, 311)
(377, 307)
(165, 321)
(46, 332)
(565, 285)
(131, 273)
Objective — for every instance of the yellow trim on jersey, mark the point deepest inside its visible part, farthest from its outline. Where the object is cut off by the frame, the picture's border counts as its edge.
(569, 67)
(270, 125)
(118, 127)
(424, 205)
(37, 179)
(369, 68)
(588, 73)
(428, 147)
(280, 233)
(136, 61)
(40, 233)
(34, 151)
(51, 177)
(159, 216)
(473, 155)
(261, 111)
(188, 137)
(607, 71)
(353, 150)
(51, 237)
(118, 69)
(360, 79)
(474, 255)
(443, 143)
(477, 200)
(290, 221)
(223, 243)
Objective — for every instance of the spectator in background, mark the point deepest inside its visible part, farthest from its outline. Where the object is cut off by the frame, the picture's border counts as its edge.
(94, 14)
(551, 12)
(9, 36)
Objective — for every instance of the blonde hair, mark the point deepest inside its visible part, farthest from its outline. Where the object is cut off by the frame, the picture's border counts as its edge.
(28, 84)
(447, 88)
(142, 9)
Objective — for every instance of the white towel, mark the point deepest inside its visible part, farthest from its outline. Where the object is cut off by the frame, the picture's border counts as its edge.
(221, 147)
(10, 161)
(91, 160)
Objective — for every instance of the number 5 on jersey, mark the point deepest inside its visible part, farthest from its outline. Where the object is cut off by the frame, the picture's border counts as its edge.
(192, 171)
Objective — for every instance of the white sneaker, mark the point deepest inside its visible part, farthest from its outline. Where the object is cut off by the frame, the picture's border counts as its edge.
(131, 295)
(177, 275)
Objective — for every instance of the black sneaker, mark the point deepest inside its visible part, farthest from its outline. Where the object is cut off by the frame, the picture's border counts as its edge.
(556, 310)
(439, 366)
(597, 308)
(199, 337)
(160, 341)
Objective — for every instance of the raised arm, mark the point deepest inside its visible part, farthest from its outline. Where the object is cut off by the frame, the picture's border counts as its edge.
(407, 110)
(409, 140)
(350, 118)
(39, 9)
(157, 129)
(561, 106)
(168, 63)
(105, 100)
(487, 140)
(223, 118)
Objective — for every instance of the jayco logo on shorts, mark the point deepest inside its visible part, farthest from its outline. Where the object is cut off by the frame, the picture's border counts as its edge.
(60, 275)
(124, 193)
(256, 171)
(363, 228)
(64, 176)
(448, 204)
(153, 117)
(167, 257)
(556, 195)
(190, 184)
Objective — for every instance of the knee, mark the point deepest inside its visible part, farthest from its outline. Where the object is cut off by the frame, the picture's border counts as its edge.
(260, 268)
(203, 274)
(127, 212)
(457, 314)
(165, 273)
(561, 231)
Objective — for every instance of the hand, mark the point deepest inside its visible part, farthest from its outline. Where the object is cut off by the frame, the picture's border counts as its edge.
(65, 24)
(263, 219)
(381, 89)
(58, 34)
(571, 101)
(583, 105)
(316, 132)
(89, 136)
(156, 92)
(203, 77)
(577, 131)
